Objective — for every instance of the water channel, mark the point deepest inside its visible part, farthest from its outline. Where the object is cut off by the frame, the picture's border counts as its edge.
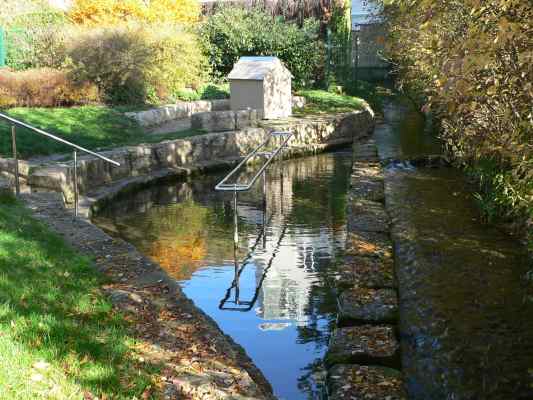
(283, 308)
(466, 294)
(466, 305)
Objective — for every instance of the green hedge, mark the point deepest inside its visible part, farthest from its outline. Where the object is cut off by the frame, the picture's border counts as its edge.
(233, 32)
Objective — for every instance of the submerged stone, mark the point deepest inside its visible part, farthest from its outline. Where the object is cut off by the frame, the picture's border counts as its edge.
(369, 244)
(368, 305)
(369, 272)
(367, 188)
(361, 382)
(365, 152)
(365, 344)
(365, 215)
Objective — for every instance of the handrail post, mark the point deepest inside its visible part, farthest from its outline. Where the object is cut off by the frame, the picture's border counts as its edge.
(264, 208)
(235, 221)
(15, 157)
(75, 183)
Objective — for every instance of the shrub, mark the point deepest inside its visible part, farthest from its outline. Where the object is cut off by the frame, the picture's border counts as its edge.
(233, 32)
(43, 88)
(471, 63)
(112, 12)
(34, 40)
(117, 60)
(133, 64)
(177, 63)
(209, 91)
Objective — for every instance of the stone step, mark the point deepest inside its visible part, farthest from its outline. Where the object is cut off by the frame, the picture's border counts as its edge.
(365, 215)
(361, 382)
(365, 344)
(367, 188)
(362, 305)
(369, 244)
(365, 152)
(368, 272)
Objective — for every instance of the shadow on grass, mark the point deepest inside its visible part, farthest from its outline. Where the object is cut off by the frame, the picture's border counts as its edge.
(50, 305)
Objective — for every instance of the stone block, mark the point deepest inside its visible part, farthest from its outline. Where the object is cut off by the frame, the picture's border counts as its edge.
(245, 119)
(367, 188)
(220, 105)
(215, 121)
(369, 272)
(369, 244)
(362, 382)
(363, 305)
(365, 152)
(365, 344)
(368, 216)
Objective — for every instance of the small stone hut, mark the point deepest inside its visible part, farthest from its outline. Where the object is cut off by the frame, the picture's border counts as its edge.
(262, 84)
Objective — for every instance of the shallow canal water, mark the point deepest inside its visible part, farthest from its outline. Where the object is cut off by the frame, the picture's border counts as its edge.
(284, 305)
(466, 293)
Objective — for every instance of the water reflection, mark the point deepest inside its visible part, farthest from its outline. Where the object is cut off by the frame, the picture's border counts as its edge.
(272, 293)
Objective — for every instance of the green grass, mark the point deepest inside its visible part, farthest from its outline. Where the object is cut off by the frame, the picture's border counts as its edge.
(59, 337)
(93, 127)
(323, 102)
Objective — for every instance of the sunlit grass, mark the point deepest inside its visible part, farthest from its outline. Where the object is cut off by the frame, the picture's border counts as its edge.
(93, 127)
(59, 336)
(323, 102)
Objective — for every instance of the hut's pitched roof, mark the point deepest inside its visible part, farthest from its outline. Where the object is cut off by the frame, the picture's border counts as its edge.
(255, 68)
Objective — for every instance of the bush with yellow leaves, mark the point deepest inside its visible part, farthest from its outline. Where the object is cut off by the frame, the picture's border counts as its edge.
(113, 12)
(471, 63)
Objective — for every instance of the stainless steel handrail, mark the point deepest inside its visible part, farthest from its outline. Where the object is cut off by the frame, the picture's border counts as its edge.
(15, 122)
(223, 186)
(57, 139)
(235, 188)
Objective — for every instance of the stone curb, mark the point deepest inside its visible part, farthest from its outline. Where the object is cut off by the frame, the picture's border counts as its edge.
(365, 345)
(363, 305)
(352, 381)
(365, 339)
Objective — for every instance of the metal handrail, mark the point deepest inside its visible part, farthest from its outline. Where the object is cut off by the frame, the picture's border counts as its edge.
(235, 188)
(57, 139)
(223, 186)
(15, 122)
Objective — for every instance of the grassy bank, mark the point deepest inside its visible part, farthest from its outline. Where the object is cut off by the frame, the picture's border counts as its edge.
(93, 127)
(59, 337)
(324, 102)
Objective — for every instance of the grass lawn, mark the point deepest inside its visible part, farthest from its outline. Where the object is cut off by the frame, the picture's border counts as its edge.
(93, 127)
(59, 337)
(323, 102)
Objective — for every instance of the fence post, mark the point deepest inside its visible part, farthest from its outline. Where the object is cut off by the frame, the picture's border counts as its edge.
(2, 48)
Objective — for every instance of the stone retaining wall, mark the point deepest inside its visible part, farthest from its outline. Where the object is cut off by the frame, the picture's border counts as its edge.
(185, 109)
(221, 121)
(363, 357)
(311, 135)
